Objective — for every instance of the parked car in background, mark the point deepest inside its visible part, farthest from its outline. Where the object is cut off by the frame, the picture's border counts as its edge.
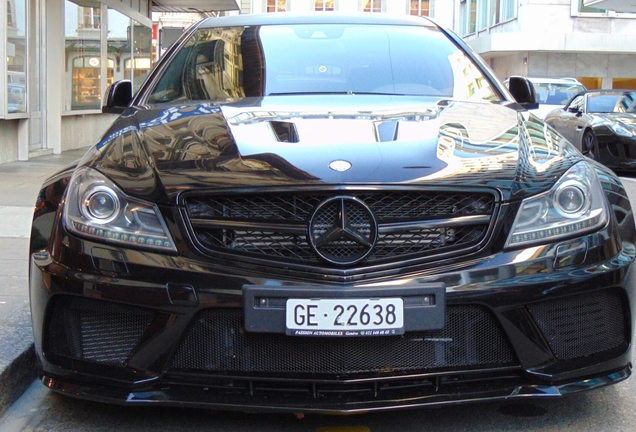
(553, 93)
(602, 124)
(329, 213)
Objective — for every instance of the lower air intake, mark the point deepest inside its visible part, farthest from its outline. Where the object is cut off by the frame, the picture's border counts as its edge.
(95, 331)
(216, 342)
(582, 325)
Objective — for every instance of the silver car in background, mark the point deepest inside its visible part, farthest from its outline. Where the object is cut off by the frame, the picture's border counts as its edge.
(553, 93)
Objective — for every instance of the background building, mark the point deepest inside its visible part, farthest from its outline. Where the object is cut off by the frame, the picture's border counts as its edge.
(552, 38)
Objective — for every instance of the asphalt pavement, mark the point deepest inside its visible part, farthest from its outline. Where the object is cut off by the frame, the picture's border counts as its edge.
(19, 185)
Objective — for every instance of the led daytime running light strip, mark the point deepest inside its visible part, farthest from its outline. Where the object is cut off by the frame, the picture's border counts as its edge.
(557, 231)
(123, 238)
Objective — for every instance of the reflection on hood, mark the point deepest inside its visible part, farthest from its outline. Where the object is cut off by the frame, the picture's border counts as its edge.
(262, 142)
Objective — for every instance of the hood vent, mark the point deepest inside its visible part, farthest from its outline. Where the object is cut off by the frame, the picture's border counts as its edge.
(285, 131)
(386, 131)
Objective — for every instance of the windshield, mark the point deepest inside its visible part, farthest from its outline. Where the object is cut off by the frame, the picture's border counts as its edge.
(231, 63)
(612, 102)
(556, 94)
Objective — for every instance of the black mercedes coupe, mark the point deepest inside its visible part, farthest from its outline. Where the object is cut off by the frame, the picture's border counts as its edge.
(329, 213)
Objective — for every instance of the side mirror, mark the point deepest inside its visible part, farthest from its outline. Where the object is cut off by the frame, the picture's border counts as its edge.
(574, 110)
(523, 91)
(118, 97)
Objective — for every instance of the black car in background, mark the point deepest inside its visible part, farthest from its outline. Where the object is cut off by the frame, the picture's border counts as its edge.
(602, 124)
(329, 213)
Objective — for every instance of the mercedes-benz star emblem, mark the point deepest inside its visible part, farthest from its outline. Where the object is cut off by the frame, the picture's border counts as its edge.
(342, 230)
(340, 165)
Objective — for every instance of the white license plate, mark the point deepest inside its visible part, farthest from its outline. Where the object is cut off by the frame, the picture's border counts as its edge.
(345, 317)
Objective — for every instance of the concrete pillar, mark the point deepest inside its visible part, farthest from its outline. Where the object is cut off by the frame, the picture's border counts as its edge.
(606, 83)
(300, 6)
(396, 7)
(258, 6)
(54, 59)
(23, 139)
(350, 6)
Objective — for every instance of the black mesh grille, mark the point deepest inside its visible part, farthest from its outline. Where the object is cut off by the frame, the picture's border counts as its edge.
(217, 343)
(387, 206)
(95, 331)
(248, 224)
(578, 326)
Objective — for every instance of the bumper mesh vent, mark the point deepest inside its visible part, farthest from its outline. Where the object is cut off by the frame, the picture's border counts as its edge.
(95, 331)
(582, 325)
(217, 343)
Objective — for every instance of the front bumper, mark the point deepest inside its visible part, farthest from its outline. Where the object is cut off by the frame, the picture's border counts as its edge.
(171, 394)
(169, 330)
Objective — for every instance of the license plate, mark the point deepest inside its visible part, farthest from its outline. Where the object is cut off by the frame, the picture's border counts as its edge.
(344, 317)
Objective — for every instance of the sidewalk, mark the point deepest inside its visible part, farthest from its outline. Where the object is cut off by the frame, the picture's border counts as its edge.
(19, 185)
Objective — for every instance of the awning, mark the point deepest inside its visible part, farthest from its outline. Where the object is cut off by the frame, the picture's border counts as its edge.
(190, 6)
(615, 5)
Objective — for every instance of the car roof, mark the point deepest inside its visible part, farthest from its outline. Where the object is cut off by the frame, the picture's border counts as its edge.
(609, 91)
(554, 80)
(315, 18)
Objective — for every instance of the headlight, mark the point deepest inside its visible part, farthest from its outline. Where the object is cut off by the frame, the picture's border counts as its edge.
(574, 206)
(621, 130)
(96, 208)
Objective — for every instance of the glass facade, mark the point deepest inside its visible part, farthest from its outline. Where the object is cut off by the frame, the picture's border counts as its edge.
(587, 9)
(372, 6)
(17, 56)
(128, 53)
(82, 32)
(481, 14)
(276, 5)
(420, 8)
(325, 5)
(138, 66)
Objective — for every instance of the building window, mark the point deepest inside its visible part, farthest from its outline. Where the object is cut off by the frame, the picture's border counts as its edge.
(581, 8)
(132, 60)
(420, 8)
(482, 15)
(83, 57)
(468, 17)
(141, 54)
(17, 56)
(508, 10)
(10, 14)
(501, 11)
(92, 18)
(276, 5)
(372, 6)
(325, 5)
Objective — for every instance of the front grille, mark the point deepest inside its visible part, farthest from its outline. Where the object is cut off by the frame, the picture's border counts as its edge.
(582, 325)
(216, 343)
(95, 331)
(410, 224)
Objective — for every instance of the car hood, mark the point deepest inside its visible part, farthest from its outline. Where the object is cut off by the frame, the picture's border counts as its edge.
(157, 153)
(625, 119)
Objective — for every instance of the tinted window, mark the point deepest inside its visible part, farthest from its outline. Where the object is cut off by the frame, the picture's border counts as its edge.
(226, 64)
(556, 94)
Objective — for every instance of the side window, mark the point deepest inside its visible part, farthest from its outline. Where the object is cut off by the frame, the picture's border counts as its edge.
(209, 67)
(577, 104)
